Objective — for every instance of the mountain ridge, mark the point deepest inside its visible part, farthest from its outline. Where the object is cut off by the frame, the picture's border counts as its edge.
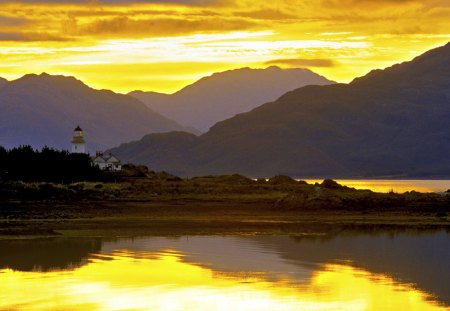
(3, 82)
(392, 122)
(43, 110)
(224, 94)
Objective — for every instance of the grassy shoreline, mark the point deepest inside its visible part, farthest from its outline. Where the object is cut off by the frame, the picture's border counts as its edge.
(165, 205)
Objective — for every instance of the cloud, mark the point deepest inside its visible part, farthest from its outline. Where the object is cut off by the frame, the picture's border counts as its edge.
(364, 2)
(45, 1)
(11, 36)
(83, 22)
(371, 6)
(30, 36)
(266, 14)
(299, 62)
(119, 2)
(12, 21)
(339, 39)
(183, 2)
(161, 26)
(42, 36)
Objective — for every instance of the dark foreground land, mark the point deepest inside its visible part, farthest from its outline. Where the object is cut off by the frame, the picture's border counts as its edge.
(161, 204)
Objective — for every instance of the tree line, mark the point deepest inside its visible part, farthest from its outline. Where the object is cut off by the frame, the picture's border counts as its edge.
(25, 163)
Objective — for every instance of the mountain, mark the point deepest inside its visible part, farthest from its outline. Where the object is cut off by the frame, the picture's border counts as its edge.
(2, 82)
(389, 123)
(225, 94)
(43, 110)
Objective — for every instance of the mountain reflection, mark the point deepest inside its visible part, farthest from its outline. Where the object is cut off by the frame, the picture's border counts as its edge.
(46, 254)
(237, 273)
(422, 259)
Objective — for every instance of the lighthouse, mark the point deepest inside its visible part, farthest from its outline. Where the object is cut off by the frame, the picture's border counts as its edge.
(78, 142)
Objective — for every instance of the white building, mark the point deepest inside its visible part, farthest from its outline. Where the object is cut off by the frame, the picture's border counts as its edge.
(107, 162)
(78, 142)
(103, 161)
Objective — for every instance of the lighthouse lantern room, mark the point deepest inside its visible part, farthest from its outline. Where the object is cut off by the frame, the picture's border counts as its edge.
(78, 142)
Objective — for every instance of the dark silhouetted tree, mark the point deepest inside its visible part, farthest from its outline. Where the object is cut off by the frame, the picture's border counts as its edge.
(24, 163)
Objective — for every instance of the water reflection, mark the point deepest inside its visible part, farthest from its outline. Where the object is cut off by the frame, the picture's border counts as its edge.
(387, 185)
(46, 254)
(215, 273)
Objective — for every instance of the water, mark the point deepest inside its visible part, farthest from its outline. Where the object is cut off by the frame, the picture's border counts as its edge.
(342, 272)
(387, 185)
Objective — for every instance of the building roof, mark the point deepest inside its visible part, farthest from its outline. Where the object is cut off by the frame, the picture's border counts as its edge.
(78, 129)
(105, 158)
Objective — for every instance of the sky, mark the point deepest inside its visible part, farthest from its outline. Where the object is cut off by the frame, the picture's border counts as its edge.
(163, 45)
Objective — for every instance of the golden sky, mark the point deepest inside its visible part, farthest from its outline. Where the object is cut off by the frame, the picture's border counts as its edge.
(164, 45)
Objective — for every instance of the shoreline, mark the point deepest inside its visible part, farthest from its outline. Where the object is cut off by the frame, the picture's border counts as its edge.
(112, 219)
(211, 205)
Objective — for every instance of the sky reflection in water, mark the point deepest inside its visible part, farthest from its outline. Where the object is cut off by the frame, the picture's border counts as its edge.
(388, 185)
(211, 273)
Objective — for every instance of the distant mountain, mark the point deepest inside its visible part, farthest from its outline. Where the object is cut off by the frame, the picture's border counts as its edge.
(43, 110)
(2, 82)
(225, 94)
(389, 123)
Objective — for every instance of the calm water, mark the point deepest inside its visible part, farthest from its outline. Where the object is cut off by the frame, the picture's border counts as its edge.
(387, 185)
(347, 272)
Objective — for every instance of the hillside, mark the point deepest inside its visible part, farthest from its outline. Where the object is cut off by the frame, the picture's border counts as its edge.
(225, 94)
(389, 123)
(2, 82)
(43, 110)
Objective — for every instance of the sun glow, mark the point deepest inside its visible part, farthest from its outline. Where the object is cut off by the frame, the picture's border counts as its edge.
(121, 44)
(164, 281)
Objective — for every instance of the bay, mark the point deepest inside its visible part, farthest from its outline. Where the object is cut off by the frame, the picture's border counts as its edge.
(347, 271)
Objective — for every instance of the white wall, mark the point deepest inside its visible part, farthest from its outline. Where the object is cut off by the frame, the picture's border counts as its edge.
(78, 148)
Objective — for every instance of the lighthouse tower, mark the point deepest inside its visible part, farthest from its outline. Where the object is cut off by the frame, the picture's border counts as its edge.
(78, 142)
